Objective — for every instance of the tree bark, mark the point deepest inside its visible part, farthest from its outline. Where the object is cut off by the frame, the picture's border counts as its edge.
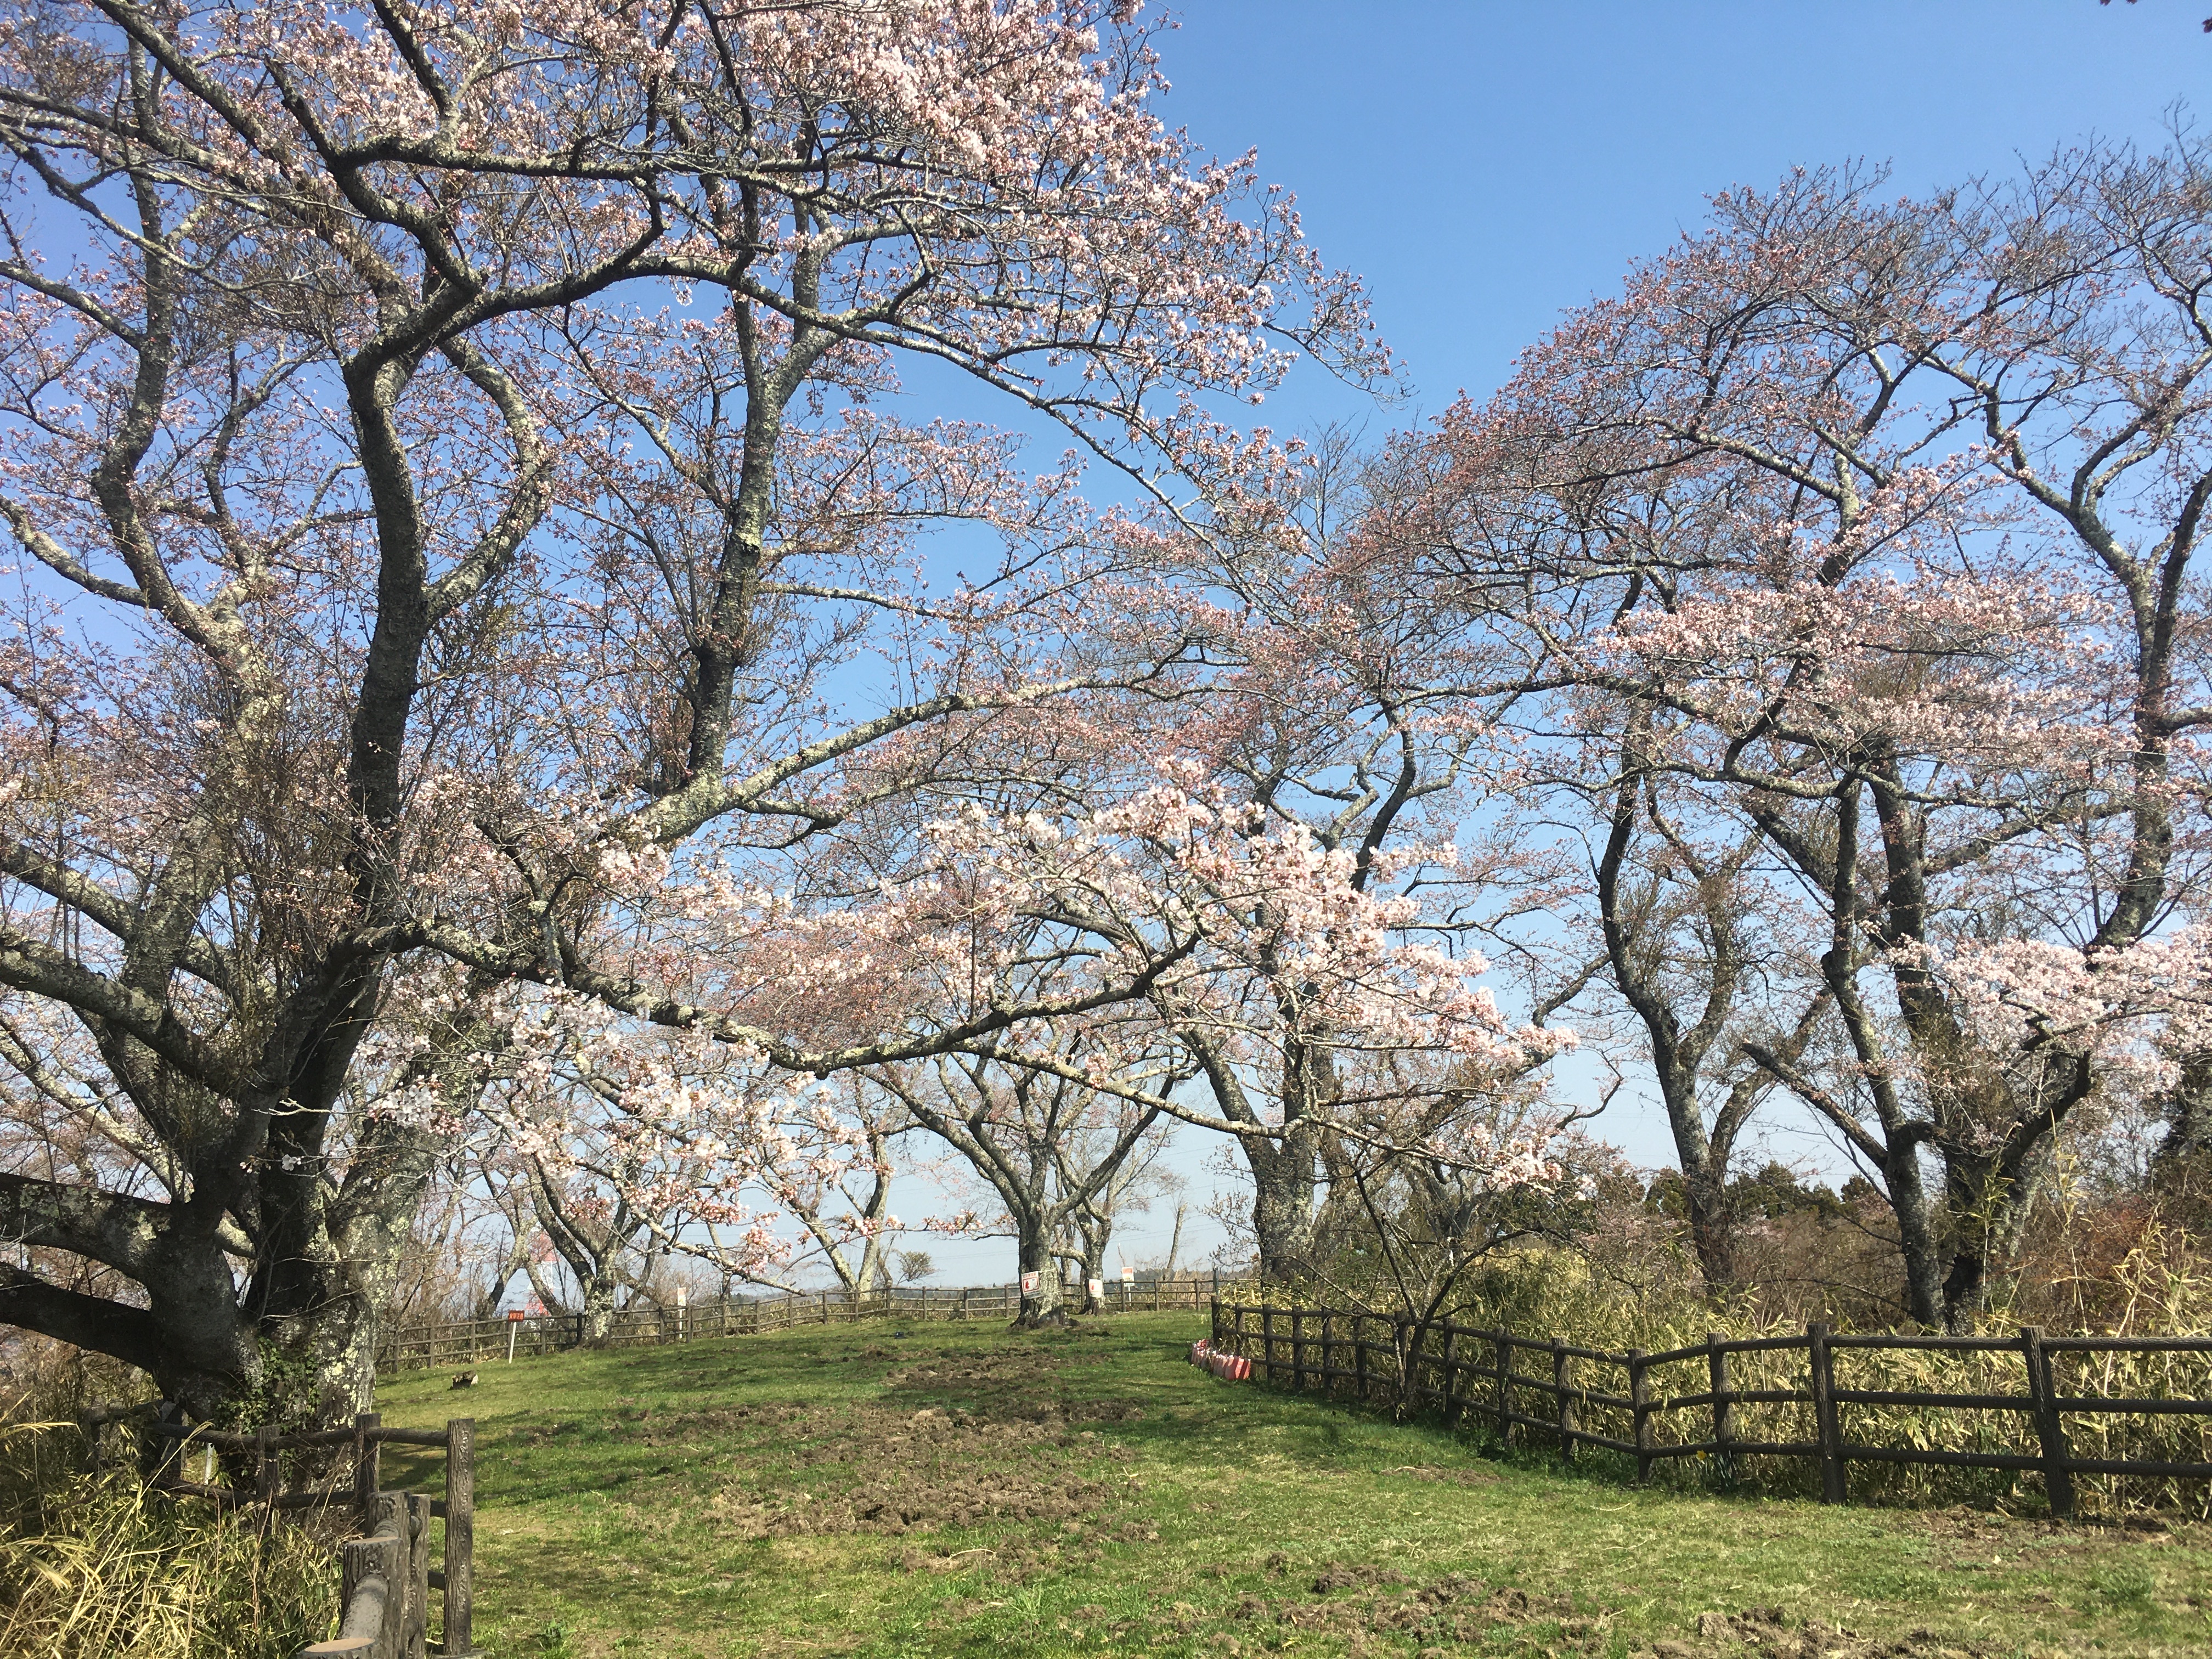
(1042, 1305)
(597, 1308)
(1094, 1267)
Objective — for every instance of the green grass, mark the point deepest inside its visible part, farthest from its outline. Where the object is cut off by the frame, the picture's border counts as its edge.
(781, 1495)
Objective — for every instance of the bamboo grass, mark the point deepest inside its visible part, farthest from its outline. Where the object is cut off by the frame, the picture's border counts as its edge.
(1546, 1294)
(93, 1566)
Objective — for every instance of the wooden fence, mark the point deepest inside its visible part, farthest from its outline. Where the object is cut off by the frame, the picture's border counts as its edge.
(387, 1576)
(1440, 1365)
(386, 1594)
(472, 1341)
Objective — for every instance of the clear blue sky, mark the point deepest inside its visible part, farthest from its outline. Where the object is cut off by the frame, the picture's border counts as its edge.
(1485, 165)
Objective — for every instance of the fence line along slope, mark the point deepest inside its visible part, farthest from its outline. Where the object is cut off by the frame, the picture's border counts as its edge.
(1817, 1410)
(522, 1336)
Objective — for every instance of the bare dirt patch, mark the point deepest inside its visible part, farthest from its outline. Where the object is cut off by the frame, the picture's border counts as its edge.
(1002, 1448)
(1366, 1605)
(1772, 1633)
(1000, 1385)
(874, 1470)
(1375, 1609)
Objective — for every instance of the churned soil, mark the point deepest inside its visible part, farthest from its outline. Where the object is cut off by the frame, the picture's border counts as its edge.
(1376, 1609)
(869, 1470)
(1772, 1633)
(1003, 1442)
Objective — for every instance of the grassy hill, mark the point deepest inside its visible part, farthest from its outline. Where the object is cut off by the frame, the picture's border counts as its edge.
(900, 1490)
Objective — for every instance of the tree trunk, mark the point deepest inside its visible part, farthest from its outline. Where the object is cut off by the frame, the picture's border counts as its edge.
(1705, 1191)
(1284, 1188)
(295, 1346)
(598, 1308)
(1990, 1199)
(1286, 1166)
(1918, 1237)
(325, 1317)
(2188, 1111)
(1094, 1267)
(308, 1366)
(1679, 1052)
(205, 1354)
(1042, 1303)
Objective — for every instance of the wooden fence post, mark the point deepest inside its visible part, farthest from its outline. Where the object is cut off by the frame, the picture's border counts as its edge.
(1451, 1374)
(1216, 1338)
(1359, 1355)
(415, 1631)
(1639, 1407)
(360, 1560)
(365, 1466)
(1716, 1374)
(1298, 1350)
(2049, 1428)
(461, 1538)
(1562, 1386)
(1268, 1341)
(267, 1478)
(392, 1532)
(1825, 1421)
(1501, 1350)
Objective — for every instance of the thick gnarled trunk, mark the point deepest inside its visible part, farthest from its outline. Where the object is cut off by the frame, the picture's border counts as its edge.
(298, 1346)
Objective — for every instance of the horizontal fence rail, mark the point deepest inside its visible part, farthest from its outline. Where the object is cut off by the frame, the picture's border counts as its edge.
(474, 1341)
(1687, 1403)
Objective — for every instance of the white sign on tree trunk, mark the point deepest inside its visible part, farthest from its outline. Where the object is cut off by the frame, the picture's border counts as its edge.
(1028, 1284)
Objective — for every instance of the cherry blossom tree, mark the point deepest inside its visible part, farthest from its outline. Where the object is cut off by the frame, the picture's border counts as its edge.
(1356, 712)
(1688, 952)
(1263, 953)
(1047, 1145)
(1143, 1176)
(1871, 525)
(447, 450)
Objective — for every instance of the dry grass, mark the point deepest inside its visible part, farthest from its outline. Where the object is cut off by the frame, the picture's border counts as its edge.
(93, 1566)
